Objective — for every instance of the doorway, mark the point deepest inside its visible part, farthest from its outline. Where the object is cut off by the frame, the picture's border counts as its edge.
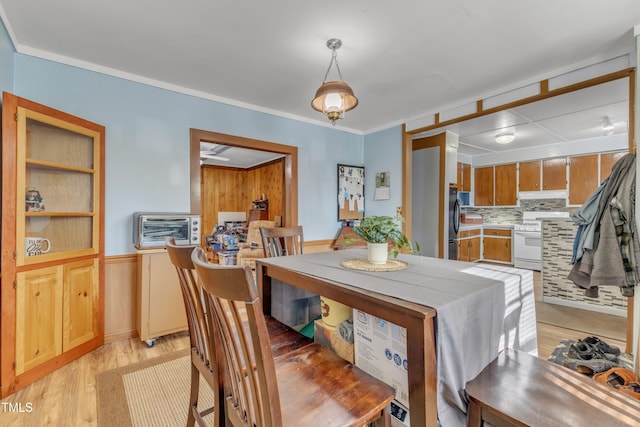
(290, 187)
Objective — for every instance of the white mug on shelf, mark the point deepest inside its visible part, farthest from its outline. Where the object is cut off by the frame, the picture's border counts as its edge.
(33, 246)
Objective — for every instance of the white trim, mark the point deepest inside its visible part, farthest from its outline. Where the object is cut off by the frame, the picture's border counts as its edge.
(538, 195)
(585, 306)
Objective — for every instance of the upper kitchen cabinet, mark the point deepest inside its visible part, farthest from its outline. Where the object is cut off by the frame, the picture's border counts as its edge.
(505, 185)
(52, 240)
(587, 172)
(545, 175)
(483, 186)
(607, 160)
(583, 178)
(554, 174)
(495, 185)
(530, 176)
(464, 177)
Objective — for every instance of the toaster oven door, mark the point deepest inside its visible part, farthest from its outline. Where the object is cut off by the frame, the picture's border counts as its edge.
(155, 231)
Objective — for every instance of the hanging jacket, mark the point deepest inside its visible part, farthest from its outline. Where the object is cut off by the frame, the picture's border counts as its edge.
(605, 249)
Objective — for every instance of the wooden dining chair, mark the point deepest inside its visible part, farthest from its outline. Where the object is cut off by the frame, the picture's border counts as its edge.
(281, 241)
(203, 352)
(204, 359)
(309, 386)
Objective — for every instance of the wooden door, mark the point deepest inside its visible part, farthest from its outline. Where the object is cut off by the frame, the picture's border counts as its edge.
(554, 174)
(583, 178)
(466, 177)
(474, 248)
(80, 313)
(38, 317)
(460, 176)
(530, 176)
(505, 185)
(497, 249)
(483, 186)
(607, 160)
(463, 250)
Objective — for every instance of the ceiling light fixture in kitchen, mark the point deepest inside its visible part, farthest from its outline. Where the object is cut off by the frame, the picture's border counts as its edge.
(607, 126)
(505, 137)
(334, 98)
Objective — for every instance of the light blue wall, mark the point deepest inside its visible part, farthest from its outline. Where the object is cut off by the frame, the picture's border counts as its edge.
(6, 60)
(383, 153)
(147, 144)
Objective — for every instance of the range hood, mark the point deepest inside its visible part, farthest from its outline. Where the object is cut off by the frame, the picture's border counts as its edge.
(537, 195)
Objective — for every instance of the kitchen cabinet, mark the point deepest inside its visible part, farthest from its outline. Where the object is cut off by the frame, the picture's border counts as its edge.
(505, 185)
(583, 178)
(545, 175)
(607, 160)
(52, 240)
(464, 177)
(160, 308)
(495, 185)
(554, 174)
(497, 245)
(469, 243)
(529, 176)
(483, 186)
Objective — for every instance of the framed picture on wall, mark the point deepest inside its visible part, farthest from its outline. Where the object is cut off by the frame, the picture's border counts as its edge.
(350, 192)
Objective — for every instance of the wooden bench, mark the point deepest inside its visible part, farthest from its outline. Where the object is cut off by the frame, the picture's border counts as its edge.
(518, 389)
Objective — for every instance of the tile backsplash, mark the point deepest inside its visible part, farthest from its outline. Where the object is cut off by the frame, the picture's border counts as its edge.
(513, 214)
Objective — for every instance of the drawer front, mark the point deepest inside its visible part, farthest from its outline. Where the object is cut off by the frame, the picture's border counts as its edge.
(463, 234)
(497, 232)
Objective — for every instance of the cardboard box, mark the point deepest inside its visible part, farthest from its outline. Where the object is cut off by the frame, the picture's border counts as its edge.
(470, 218)
(381, 351)
(331, 338)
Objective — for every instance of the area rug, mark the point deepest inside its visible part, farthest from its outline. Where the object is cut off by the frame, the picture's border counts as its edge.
(586, 321)
(152, 393)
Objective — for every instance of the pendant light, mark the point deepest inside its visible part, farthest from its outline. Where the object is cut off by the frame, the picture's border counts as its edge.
(334, 98)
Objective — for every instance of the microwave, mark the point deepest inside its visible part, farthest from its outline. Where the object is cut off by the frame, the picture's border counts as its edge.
(151, 229)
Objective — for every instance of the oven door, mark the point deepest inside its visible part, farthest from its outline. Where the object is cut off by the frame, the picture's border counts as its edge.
(527, 249)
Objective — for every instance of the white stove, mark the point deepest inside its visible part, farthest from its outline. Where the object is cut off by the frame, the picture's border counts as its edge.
(527, 239)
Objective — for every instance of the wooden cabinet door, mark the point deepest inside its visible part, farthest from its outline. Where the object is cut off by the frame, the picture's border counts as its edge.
(80, 318)
(530, 176)
(463, 250)
(583, 178)
(160, 305)
(38, 317)
(505, 185)
(474, 248)
(607, 160)
(464, 176)
(554, 174)
(497, 249)
(483, 186)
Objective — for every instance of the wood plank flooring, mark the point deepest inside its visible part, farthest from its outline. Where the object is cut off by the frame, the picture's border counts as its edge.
(67, 397)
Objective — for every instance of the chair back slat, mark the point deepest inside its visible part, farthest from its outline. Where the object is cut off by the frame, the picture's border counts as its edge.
(252, 396)
(282, 241)
(199, 329)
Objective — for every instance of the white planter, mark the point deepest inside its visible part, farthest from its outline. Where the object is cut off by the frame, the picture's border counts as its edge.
(377, 253)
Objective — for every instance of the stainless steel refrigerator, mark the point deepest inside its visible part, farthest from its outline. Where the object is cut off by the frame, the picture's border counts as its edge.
(454, 222)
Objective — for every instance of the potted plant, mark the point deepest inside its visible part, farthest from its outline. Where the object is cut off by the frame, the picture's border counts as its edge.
(377, 231)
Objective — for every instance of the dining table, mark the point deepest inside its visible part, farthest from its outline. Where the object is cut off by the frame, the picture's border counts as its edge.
(457, 316)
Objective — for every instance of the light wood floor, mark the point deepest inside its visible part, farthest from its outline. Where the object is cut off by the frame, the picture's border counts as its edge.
(67, 397)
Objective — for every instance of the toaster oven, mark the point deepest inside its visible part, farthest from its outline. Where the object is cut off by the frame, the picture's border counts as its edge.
(151, 229)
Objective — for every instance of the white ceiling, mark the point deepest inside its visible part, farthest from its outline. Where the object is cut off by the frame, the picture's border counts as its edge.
(404, 60)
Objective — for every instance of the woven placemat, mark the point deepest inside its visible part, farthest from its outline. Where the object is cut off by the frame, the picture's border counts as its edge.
(363, 265)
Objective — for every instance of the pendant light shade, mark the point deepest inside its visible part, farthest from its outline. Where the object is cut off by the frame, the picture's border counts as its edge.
(334, 98)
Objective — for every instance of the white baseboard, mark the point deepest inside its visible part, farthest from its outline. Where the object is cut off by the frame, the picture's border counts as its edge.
(585, 306)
